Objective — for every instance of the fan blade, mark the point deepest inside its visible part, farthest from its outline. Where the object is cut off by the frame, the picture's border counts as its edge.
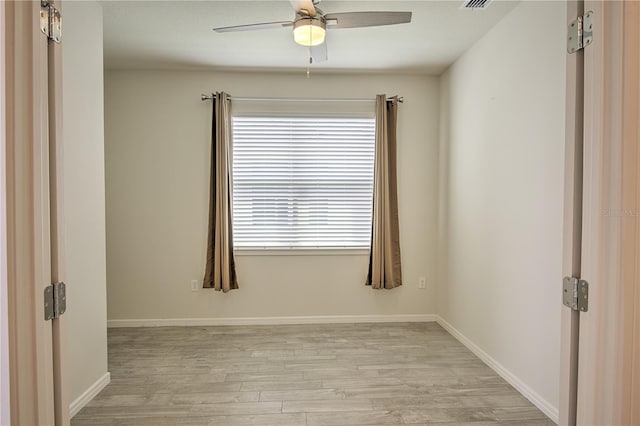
(307, 5)
(251, 27)
(319, 53)
(366, 19)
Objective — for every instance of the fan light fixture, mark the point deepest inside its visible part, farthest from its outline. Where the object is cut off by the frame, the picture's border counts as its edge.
(309, 31)
(310, 24)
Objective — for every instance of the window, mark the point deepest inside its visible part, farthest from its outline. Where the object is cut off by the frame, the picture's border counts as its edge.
(302, 182)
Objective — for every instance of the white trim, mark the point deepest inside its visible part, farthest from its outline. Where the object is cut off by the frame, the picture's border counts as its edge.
(86, 396)
(324, 319)
(545, 406)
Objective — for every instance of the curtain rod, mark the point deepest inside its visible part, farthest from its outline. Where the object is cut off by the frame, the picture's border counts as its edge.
(205, 97)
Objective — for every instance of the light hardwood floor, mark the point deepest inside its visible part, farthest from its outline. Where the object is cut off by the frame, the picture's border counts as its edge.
(338, 374)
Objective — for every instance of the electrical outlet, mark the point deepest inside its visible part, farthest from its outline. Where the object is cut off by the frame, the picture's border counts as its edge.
(422, 282)
(194, 285)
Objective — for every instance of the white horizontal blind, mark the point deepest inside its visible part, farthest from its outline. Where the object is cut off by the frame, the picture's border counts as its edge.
(302, 182)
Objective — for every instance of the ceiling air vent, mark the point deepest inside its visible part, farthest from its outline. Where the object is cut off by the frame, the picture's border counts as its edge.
(476, 4)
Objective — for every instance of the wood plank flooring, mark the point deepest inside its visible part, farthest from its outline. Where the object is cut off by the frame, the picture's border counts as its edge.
(315, 375)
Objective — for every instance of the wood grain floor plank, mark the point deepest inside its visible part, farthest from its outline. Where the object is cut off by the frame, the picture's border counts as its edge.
(294, 419)
(302, 395)
(354, 418)
(237, 408)
(214, 397)
(266, 385)
(326, 406)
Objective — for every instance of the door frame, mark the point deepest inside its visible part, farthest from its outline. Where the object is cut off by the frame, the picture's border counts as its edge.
(5, 406)
(31, 379)
(56, 196)
(572, 222)
(609, 251)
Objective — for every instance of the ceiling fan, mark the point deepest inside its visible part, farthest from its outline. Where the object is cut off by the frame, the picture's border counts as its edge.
(310, 24)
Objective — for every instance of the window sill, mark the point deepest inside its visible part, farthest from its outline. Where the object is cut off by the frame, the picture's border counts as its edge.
(301, 251)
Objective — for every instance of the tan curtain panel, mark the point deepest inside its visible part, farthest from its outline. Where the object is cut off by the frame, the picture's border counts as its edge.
(384, 261)
(220, 272)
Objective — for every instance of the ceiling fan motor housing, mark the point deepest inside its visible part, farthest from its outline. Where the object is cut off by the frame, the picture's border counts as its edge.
(309, 30)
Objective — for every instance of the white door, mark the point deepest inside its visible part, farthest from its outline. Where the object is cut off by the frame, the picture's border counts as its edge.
(31, 118)
(600, 383)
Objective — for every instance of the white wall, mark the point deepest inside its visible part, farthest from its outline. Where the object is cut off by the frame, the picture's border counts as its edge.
(501, 195)
(84, 200)
(157, 169)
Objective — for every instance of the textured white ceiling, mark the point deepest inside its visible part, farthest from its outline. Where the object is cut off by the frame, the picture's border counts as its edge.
(178, 34)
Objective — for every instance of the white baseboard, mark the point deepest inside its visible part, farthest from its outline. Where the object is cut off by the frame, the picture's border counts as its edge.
(322, 319)
(545, 406)
(89, 394)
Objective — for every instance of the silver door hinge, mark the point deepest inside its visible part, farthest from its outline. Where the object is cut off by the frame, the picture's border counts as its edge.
(55, 300)
(580, 33)
(575, 294)
(50, 21)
